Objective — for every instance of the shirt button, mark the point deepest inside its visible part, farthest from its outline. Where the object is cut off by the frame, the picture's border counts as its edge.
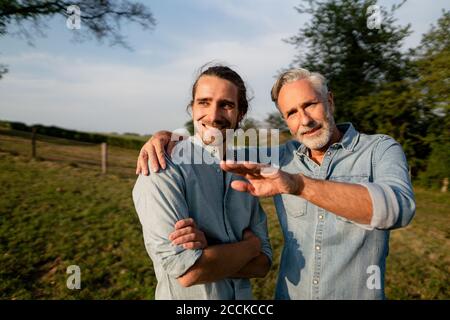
(329, 153)
(317, 248)
(218, 170)
(315, 282)
(321, 217)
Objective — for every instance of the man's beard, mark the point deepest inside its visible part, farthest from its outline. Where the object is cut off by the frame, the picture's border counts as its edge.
(323, 138)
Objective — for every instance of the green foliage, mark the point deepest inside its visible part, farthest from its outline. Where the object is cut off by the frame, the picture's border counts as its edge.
(189, 125)
(274, 120)
(130, 143)
(437, 165)
(355, 59)
(53, 216)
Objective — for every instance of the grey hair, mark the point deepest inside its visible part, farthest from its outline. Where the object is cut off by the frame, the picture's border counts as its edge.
(317, 80)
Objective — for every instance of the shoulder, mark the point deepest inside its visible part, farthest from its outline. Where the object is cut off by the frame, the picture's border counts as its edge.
(170, 177)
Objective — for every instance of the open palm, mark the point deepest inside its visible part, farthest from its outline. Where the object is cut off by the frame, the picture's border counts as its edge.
(263, 180)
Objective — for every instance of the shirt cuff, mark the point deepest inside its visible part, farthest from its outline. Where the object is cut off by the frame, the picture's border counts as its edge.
(178, 264)
(385, 208)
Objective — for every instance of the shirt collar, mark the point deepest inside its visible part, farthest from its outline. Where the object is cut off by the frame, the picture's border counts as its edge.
(214, 151)
(348, 140)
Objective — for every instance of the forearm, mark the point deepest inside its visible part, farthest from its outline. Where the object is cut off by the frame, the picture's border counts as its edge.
(256, 268)
(219, 262)
(351, 201)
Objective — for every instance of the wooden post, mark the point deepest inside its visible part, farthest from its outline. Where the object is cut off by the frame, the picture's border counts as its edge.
(104, 157)
(33, 142)
(444, 185)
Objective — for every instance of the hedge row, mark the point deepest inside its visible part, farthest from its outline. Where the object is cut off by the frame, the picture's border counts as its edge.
(53, 131)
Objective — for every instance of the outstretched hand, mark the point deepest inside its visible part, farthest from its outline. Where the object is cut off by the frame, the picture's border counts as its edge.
(263, 180)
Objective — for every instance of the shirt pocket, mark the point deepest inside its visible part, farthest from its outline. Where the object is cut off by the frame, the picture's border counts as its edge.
(294, 206)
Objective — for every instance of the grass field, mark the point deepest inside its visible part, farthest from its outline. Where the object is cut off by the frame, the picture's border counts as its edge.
(59, 210)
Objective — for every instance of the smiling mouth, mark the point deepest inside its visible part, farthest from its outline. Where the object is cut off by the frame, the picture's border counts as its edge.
(211, 128)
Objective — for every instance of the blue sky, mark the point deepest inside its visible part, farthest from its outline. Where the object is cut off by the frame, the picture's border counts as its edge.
(93, 87)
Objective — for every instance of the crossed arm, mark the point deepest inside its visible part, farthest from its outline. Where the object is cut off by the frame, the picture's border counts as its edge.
(242, 259)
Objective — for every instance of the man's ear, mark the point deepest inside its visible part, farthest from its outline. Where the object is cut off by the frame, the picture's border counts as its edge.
(330, 99)
(239, 119)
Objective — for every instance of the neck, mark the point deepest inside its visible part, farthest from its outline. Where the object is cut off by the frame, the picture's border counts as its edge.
(317, 155)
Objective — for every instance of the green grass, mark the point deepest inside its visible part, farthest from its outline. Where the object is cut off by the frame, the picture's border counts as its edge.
(56, 213)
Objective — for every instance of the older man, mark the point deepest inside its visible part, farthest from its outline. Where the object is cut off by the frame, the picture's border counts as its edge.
(337, 195)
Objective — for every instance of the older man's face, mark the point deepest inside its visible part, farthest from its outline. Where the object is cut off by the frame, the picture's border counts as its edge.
(307, 115)
(215, 108)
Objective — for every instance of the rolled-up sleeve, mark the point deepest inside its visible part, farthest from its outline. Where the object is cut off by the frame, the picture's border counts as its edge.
(160, 202)
(391, 190)
(259, 228)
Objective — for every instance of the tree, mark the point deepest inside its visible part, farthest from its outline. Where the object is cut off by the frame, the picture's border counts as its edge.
(275, 121)
(100, 19)
(432, 62)
(189, 125)
(356, 60)
(249, 123)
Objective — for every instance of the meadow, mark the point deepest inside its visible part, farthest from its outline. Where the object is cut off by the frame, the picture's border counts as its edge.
(59, 210)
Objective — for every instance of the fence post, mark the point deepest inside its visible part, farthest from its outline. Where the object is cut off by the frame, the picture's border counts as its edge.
(104, 157)
(444, 185)
(33, 142)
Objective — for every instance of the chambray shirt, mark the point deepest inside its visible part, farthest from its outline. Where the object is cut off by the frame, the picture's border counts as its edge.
(201, 191)
(326, 256)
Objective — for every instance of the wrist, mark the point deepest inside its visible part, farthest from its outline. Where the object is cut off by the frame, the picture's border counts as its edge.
(254, 245)
(296, 184)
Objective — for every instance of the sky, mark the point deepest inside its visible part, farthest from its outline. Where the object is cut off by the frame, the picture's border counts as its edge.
(98, 88)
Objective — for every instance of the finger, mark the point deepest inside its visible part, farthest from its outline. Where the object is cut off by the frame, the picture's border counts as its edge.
(243, 168)
(138, 166)
(185, 223)
(159, 153)
(184, 239)
(193, 245)
(181, 232)
(154, 163)
(242, 186)
(269, 171)
(143, 162)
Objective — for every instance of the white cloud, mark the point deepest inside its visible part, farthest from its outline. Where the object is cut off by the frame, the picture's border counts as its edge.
(50, 89)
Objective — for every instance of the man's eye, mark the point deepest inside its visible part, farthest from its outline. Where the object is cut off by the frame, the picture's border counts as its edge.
(290, 114)
(203, 103)
(227, 106)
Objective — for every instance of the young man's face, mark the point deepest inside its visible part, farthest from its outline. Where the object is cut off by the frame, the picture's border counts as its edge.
(215, 108)
(308, 117)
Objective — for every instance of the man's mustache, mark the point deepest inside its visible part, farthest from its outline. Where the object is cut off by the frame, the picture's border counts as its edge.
(222, 124)
(308, 128)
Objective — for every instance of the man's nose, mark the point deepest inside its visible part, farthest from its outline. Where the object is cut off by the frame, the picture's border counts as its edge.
(305, 118)
(216, 113)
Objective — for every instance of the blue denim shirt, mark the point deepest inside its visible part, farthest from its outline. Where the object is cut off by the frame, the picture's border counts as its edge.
(201, 191)
(326, 256)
